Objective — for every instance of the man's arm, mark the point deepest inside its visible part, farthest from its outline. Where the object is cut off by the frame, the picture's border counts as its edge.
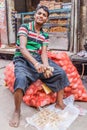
(39, 67)
(25, 52)
(49, 69)
(44, 56)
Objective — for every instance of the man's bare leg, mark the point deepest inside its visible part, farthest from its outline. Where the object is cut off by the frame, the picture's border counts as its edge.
(59, 102)
(18, 95)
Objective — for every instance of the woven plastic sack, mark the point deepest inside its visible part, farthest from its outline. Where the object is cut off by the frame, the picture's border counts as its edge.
(76, 86)
(35, 94)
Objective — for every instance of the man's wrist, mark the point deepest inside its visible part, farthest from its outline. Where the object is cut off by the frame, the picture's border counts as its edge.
(50, 68)
(36, 64)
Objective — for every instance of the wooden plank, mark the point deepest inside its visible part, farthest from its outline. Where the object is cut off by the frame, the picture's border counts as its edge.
(72, 26)
(11, 29)
(78, 26)
(7, 50)
(75, 28)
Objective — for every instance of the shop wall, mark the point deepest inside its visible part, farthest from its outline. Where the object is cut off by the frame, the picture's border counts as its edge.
(3, 24)
(25, 5)
(83, 23)
(22, 7)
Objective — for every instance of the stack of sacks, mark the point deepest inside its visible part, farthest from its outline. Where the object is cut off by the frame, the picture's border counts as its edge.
(9, 76)
(35, 94)
(76, 86)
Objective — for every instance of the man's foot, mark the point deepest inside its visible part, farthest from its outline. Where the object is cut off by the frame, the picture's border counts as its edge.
(14, 122)
(61, 106)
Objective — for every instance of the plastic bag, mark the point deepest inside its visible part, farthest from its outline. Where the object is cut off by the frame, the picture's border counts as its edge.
(54, 119)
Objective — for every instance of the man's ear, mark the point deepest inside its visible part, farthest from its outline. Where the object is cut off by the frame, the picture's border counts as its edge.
(34, 16)
(47, 19)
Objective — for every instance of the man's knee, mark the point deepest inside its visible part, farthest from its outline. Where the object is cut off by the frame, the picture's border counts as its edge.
(61, 73)
(21, 78)
(21, 82)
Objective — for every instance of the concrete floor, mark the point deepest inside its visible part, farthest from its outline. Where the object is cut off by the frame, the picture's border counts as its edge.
(6, 108)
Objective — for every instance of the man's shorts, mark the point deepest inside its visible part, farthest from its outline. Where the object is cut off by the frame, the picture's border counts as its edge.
(26, 74)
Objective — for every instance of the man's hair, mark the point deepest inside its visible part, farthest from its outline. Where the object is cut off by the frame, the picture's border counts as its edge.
(44, 8)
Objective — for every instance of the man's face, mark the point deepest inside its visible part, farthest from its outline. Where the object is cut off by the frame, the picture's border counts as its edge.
(41, 16)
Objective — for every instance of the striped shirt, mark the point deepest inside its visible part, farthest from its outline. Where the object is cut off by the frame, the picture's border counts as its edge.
(34, 41)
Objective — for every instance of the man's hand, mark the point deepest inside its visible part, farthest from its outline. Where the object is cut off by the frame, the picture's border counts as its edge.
(48, 72)
(41, 68)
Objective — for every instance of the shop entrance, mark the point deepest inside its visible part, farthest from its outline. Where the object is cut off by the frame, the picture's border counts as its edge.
(62, 25)
(59, 22)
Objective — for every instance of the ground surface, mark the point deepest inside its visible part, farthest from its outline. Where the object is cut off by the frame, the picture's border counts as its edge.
(6, 107)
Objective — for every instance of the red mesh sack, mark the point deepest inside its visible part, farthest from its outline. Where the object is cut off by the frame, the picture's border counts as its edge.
(76, 86)
(36, 96)
(39, 97)
(9, 76)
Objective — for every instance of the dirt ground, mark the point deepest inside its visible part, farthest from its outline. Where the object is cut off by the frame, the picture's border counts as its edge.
(7, 105)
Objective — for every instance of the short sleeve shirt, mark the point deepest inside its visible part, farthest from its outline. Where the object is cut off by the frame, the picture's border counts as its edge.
(34, 41)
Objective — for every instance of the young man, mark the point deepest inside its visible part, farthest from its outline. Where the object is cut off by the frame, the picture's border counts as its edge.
(31, 63)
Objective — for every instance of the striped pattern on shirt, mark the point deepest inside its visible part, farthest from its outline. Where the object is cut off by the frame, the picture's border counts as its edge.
(34, 41)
